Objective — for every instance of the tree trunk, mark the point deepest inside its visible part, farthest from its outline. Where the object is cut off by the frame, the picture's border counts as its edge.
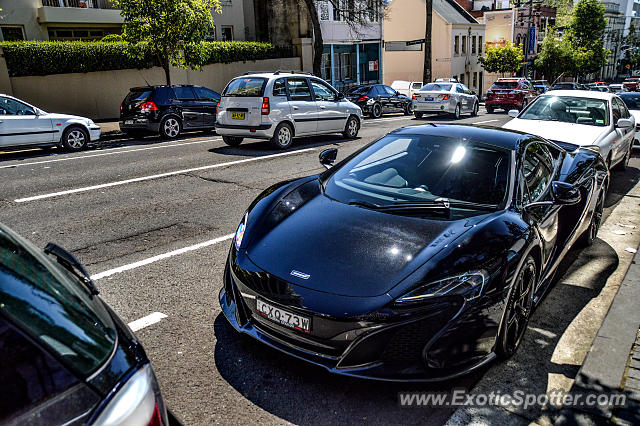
(426, 74)
(165, 66)
(318, 44)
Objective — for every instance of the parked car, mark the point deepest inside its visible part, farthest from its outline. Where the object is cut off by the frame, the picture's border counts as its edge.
(616, 88)
(407, 88)
(24, 125)
(168, 110)
(541, 86)
(279, 106)
(377, 99)
(631, 84)
(567, 85)
(452, 98)
(596, 88)
(434, 259)
(65, 356)
(446, 80)
(581, 118)
(632, 102)
(508, 93)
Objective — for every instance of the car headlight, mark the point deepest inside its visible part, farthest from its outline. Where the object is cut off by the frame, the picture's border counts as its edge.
(240, 231)
(468, 285)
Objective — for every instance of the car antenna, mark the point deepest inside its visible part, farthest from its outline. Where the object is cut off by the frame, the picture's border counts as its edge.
(145, 80)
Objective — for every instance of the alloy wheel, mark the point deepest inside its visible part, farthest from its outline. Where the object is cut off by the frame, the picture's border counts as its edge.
(376, 111)
(457, 113)
(76, 139)
(596, 220)
(284, 136)
(352, 127)
(171, 127)
(519, 307)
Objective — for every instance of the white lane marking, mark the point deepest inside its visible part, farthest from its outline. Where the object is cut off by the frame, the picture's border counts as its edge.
(143, 322)
(482, 122)
(161, 175)
(112, 151)
(160, 257)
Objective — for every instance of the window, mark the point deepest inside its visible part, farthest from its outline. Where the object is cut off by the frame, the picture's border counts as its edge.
(568, 109)
(206, 94)
(396, 46)
(621, 109)
(12, 33)
(10, 106)
(227, 33)
(389, 91)
(347, 66)
(322, 92)
(464, 45)
(69, 34)
(323, 10)
(184, 93)
(456, 45)
(279, 88)
(480, 45)
(465, 89)
(299, 89)
(461, 79)
(475, 80)
(416, 86)
(473, 45)
(325, 65)
(537, 169)
(246, 87)
(336, 12)
(459, 88)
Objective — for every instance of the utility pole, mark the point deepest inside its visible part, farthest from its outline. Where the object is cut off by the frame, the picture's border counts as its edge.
(426, 75)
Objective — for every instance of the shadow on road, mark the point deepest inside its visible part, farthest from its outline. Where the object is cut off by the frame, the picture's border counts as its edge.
(259, 148)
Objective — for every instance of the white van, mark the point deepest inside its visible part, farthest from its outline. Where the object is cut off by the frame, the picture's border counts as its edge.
(407, 88)
(282, 105)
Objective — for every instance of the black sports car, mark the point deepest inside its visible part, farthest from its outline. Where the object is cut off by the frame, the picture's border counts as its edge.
(419, 257)
(376, 99)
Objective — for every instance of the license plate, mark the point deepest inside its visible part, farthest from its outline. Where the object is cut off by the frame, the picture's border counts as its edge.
(428, 99)
(128, 122)
(283, 317)
(237, 115)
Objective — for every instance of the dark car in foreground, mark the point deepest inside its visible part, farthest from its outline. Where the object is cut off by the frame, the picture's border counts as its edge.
(168, 110)
(65, 356)
(376, 99)
(419, 257)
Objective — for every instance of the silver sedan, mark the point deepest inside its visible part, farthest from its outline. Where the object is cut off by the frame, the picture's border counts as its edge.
(452, 98)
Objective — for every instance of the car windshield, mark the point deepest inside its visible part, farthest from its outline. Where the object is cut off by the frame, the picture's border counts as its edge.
(424, 168)
(246, 87)
(631, 100)
(436, 87)
(563, 86)
(360, 90)
(53, 305)
(568, 109)
(505, 85)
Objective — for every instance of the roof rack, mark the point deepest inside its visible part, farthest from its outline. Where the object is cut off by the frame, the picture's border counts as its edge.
(292, 72)
(256, 72)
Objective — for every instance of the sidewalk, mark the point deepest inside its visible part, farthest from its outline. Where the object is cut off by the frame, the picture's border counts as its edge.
(613, 362)
(109, 130)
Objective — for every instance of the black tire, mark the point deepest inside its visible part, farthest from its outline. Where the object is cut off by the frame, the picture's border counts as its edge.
(418, 114)
(170, 127)
(489, 109)
(74, 138)
(456, 113)
(376, 110)
(407, 109)
(232, 140)
(622, 165)
(352, 127)
(283, 136)
(590, 234)
(476, 107)
(518, 309)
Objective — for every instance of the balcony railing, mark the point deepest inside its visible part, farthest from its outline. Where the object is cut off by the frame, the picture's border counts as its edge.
(83, 4)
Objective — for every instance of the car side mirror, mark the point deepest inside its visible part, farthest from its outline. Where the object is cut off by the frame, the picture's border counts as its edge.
(339, 96)
(564, 193)
(328, 157)
(624, 123)
(513, 113)
(474, 93)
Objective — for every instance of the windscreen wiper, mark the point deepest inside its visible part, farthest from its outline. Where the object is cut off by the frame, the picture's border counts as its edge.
(440, 204)
(70, 263)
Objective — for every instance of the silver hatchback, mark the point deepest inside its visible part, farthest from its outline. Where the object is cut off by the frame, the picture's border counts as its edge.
(282, 105)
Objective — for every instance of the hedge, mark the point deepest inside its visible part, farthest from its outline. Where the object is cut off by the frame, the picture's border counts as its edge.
(58, 57)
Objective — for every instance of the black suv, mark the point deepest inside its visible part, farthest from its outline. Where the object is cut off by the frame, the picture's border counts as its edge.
(378, 98)
(168, 110)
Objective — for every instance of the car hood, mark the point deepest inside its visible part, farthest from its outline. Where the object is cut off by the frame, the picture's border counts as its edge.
(577, 134)
(64, 117)
(332, 247)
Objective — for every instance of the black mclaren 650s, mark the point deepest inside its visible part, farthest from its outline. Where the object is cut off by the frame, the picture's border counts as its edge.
(418, 258)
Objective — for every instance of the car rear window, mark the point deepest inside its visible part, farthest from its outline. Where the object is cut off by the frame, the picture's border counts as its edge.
(245, 87)
(436, 87)
(138, 96)
(363, 90)
(53, 305)
(505, 85)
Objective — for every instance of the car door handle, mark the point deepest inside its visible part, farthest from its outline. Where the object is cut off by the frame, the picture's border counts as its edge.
(294, 107)
(323, 107)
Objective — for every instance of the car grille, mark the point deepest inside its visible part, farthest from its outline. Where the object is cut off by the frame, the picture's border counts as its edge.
(271, 287)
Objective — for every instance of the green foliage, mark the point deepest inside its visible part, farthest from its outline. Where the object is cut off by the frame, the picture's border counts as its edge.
(564, 11)
(502, 59)
(112, 38)
(586, 34)
(58, 57)
(168, 27)
(556, 56)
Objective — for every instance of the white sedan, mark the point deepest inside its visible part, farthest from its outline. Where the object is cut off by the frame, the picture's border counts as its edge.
(24, 125)
(581, 118)
(632, 101)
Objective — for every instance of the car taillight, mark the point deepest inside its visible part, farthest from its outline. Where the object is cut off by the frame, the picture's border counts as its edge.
(217, 106)
(120, 107)
(148, 106)
(363, 98)
(266, 109)
(138, 402)
(446, 97)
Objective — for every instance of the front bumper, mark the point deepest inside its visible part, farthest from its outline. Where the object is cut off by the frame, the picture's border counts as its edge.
(380, 345)
(94, 133)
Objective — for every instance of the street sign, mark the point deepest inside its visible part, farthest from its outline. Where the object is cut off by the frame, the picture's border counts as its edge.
(414, 42)
(627, 66)
(532, 40)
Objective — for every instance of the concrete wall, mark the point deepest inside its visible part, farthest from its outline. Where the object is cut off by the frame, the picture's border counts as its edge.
(98, 95)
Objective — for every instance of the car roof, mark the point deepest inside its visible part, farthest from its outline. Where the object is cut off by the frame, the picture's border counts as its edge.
(581, 94)
(503, 138)
(278, 73)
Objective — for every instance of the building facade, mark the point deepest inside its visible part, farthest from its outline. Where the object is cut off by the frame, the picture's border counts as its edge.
(93, 19)
(457, 41)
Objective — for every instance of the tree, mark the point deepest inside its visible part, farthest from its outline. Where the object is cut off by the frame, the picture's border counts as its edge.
(555, 56)
(168, 26)
(357, 14)
(502, 59)
(586, 34)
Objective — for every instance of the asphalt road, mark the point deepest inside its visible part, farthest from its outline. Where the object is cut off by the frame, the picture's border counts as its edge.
(152, 221)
